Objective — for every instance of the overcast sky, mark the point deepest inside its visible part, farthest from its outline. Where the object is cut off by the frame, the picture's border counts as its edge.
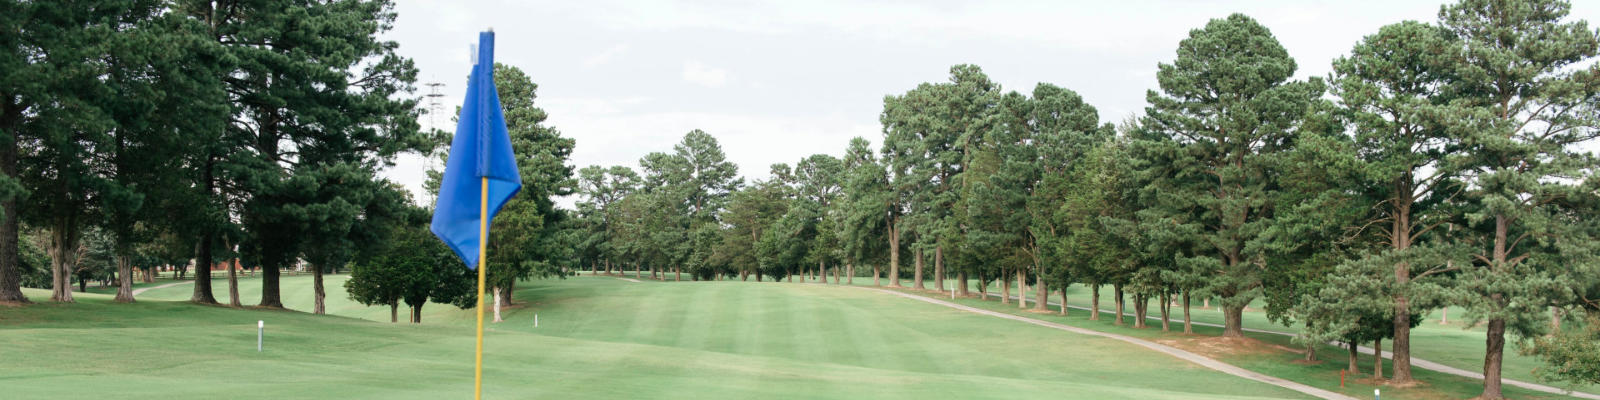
(775, 82)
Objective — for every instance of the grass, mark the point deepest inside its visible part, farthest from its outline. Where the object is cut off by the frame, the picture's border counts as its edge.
(599, 338)
(1453, 344)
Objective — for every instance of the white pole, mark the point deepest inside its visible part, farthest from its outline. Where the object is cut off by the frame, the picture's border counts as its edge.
(261, 327)
(536, 320)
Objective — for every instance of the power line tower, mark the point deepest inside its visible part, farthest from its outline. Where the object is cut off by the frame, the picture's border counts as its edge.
(434, 108)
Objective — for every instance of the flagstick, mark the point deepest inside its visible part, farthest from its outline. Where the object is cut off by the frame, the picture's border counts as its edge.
(483, 250)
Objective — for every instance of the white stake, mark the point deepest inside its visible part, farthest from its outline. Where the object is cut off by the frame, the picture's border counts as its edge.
(536, 320)
(261, 328)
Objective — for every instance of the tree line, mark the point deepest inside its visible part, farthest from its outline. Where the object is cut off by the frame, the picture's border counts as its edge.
(1439, 164)
(146, 133)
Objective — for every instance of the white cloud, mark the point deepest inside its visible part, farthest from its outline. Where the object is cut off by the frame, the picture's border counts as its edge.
(605, 57)
(703, 75)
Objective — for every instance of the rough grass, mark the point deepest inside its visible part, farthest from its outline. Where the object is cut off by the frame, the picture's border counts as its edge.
(599, 338)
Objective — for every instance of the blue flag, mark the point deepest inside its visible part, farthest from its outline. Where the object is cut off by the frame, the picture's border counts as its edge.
(481, 148)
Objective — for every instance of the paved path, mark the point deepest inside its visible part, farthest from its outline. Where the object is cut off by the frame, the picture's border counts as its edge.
(630, 280)
(1173, 351)
(1416, 362)
(136, 292)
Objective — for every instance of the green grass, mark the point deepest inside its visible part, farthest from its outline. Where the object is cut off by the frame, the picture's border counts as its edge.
(1453, 344)
(599, 338)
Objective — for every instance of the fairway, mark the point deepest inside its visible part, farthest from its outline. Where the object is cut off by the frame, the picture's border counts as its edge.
(598, 338)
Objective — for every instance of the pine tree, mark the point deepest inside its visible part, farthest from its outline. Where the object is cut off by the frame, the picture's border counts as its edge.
(1525, 103)
(1391, 85)
(1226, 108)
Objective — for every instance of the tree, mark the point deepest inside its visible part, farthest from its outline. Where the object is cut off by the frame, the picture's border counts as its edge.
(411, 265)
(817, 186)
(59, 112)
(870, 211)
(524, 243)
(998, 173)
(1527, 91)
(1391, 85)
(750, 212)
(603, 188)
(928, 133)
(310, 85)
(1225, 110)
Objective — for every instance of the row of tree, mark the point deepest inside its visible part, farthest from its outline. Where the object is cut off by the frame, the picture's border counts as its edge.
(200, 132)
(1439, 164)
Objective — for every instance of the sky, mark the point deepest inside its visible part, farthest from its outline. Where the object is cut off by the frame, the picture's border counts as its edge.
(775, 82)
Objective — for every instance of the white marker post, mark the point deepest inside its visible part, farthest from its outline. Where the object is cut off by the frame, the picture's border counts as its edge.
(1375, 394)
(261, 328)
(536, 320)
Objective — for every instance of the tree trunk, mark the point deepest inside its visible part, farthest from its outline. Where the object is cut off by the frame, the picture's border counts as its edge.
(1491, 360)
(894, 256)
(416, 313)
(1233, 321)
(1005, 289)
(63, 249)
(916, 275)
(983, 289)
(1166, 311)
(1402, 341)
(1555, 320)
(394, 312)
(677, 274)
(203, 258)
(1041, 292)
(961, 283)
(1353, 369)
(876, 281)
(506, 297)
(10, 225)
(1444, 316)
(938, 267)
(1188, 326)
(1063, 300)
(1022, 289)
(637, 271)
(270, 271)
(1117, 289)
(319, 307)
(497, 305)
(850, 274)
(1311, 352)
(83, 284)
(1377, 355)
(124, 271)
(1094, 302)
(233, 283)
(1140, 309)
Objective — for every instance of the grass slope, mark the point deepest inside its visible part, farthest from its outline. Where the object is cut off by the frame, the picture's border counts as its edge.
(599, 338)
(1454, 344)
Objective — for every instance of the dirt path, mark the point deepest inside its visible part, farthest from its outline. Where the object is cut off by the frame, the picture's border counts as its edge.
(1415, 362)
(1173, 351)
(136, 292)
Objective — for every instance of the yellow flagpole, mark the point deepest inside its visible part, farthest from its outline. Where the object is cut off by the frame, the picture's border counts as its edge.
(483, 251)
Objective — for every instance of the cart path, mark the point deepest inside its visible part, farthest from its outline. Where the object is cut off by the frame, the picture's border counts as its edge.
(136, 292)
(1169, 350)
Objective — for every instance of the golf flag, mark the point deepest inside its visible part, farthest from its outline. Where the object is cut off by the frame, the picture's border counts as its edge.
(480, 155)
